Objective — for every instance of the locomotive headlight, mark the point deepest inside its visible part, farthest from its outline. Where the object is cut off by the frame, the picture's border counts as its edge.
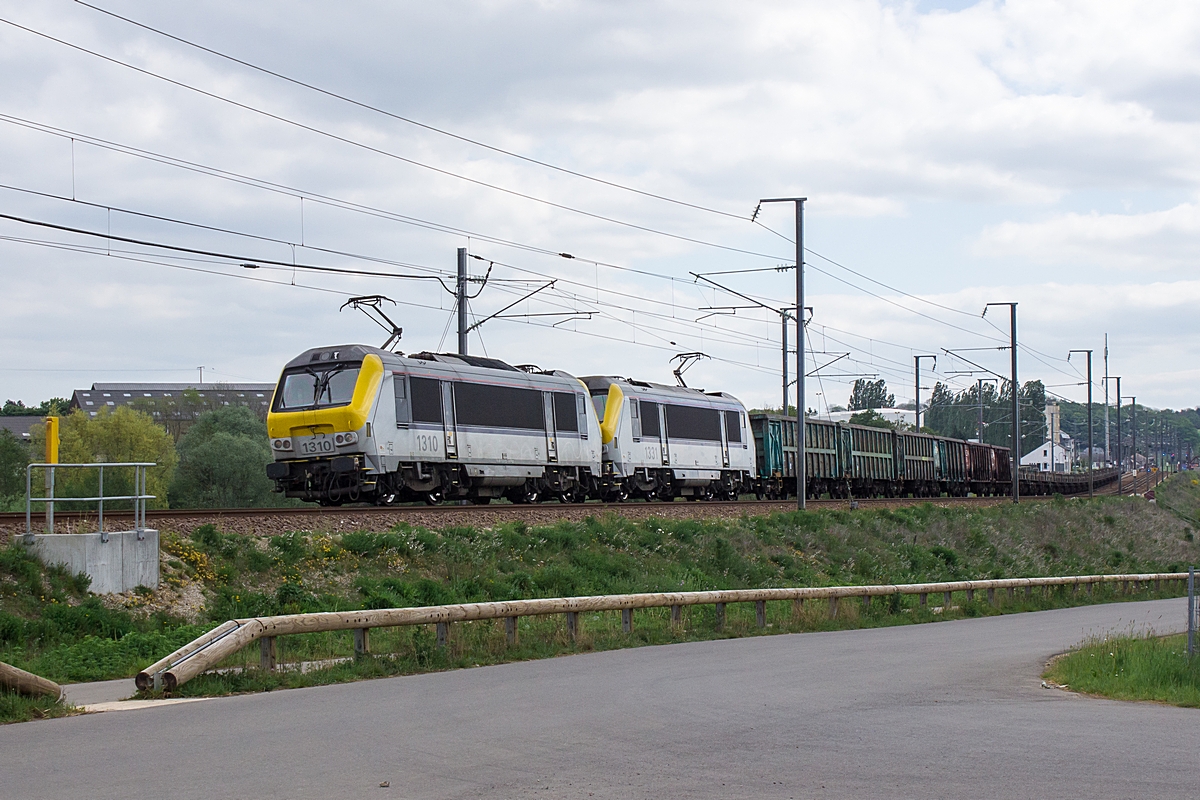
(277, 444)
(345, 438)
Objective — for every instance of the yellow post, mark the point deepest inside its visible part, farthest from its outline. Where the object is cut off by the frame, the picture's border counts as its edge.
(51, 458)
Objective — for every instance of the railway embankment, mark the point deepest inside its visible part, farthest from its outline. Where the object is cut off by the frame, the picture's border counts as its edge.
(50, 625)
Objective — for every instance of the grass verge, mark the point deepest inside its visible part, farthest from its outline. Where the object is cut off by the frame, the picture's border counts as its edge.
(325, 658)
(1131, 668)
(19, 708)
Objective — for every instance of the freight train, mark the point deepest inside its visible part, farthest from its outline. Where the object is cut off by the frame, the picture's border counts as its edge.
(843, 460)
(357, 424)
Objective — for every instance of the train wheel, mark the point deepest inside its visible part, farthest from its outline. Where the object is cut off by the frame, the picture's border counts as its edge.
(434, 498)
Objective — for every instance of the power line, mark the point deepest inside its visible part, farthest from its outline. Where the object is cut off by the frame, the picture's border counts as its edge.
(409, 120)
(380, 151)
(246, 261)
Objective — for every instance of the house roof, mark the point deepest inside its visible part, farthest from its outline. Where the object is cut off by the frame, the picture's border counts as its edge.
(20, 426)
(112, 395)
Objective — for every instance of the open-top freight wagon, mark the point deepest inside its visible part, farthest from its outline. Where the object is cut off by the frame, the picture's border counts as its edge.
(844, 460)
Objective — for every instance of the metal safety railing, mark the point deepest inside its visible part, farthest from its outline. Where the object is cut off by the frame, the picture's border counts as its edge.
(139, 496)
(223, 641)
(1191, 589)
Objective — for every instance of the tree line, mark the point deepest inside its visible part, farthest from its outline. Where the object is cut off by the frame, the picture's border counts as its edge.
(219, 461)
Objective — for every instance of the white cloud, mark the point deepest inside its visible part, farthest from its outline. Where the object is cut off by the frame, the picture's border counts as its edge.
(1154, 241)
(999, 112)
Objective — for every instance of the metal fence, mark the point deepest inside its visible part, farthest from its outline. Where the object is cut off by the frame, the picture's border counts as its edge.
(139, 497)
(227, 639)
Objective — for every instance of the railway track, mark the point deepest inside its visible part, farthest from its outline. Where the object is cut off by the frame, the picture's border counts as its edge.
(269, 521)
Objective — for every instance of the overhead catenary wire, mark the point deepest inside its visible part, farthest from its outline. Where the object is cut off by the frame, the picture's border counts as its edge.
(409, 120)
(379, 150)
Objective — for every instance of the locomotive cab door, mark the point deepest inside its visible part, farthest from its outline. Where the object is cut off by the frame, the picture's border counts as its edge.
(448, 423)
(551, 435)
(724, 439)
(663, 434)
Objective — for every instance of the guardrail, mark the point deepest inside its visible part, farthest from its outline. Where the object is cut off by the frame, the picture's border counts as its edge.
(22, 682)
(228, 638)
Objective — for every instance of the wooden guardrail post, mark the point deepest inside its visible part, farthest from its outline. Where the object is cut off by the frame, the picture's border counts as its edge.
(991, 597)
(443, 634)
(362, 641)
(510, 630)
(760, 613)
(866, 602)
(676, 616)
(1028, 591)
(572, 624)
(833, 605)
(945, 601)
(1012, 592)
(798, 606)
(720, 613)
(268, 656)
(922, 598)
(627, 620)
(970, 595)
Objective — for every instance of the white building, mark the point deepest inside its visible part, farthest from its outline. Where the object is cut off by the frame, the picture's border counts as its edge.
(1041, 457)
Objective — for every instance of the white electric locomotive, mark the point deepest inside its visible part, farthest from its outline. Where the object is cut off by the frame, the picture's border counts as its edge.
(359, 424)
(665, 442)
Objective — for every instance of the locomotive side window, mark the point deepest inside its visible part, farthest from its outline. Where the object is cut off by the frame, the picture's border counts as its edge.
(581, 411)
(565, 418)
(733, 426)
(650, 427)
(426, 400)
(688, 422)
(499, 406)
(403, 410)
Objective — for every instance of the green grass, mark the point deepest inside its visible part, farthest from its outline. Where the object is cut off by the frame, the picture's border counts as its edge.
(1180, 494)
(51, 626)
(18, 708)
(410, 650)
(1132, 668)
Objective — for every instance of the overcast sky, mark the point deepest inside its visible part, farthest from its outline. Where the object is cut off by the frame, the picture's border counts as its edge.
(953, 154)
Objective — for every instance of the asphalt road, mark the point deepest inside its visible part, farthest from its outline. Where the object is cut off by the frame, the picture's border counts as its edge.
(952, 709)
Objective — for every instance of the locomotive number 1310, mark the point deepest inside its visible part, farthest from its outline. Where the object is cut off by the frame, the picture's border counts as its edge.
(428, 443)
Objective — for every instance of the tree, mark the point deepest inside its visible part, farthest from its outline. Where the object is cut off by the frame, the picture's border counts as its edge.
(55, 406)
(870, 394)
(871, 418)
(13, 458)
(222, 462)
(120, 435)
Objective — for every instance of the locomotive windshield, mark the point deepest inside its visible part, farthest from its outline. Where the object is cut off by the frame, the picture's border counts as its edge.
(312, 387)
(600, 401)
